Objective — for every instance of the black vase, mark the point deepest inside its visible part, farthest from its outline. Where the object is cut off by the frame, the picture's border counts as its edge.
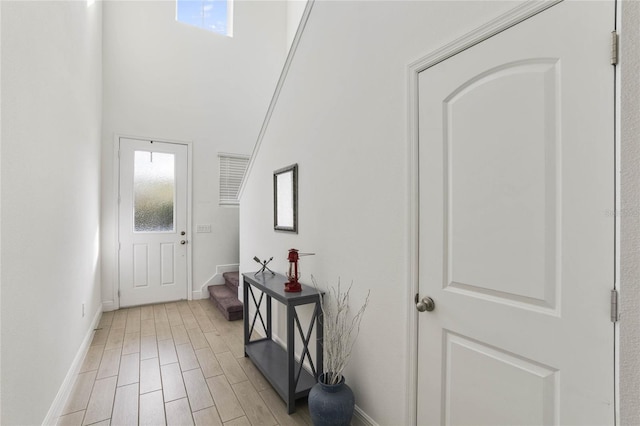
(331, 405)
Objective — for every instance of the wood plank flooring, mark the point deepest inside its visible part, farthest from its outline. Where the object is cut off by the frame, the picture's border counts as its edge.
(177, 363)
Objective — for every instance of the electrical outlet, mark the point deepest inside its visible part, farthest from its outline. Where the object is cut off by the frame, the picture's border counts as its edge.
(203, 228)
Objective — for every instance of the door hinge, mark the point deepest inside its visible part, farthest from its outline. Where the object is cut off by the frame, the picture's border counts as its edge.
(119, 246)
(614, 306)
(614, 48)
(118, 294)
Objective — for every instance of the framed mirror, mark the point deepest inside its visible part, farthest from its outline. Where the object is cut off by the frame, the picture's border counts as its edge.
(285, 199)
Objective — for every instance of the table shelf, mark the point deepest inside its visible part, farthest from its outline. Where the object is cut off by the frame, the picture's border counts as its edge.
(278, 364)
(271, 359)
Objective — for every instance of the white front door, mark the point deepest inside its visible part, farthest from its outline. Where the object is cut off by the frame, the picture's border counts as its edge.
(516, 141)
(153, 222)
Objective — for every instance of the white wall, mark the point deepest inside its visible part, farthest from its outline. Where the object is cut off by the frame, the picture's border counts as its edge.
(51, 113)
(164, 79)
(629, 280)
(342, 117)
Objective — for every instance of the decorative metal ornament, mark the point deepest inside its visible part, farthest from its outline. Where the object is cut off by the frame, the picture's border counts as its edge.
(264, 265)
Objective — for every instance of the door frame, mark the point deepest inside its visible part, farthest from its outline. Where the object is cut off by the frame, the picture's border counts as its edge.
(503, 22)
(116, 186)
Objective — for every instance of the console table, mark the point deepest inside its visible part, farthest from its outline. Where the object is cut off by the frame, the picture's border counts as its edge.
(279, 365)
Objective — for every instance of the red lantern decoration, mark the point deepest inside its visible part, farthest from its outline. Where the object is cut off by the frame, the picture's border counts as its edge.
(293, 286)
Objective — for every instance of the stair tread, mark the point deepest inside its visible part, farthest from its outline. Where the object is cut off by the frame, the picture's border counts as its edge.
(232, 278)
(223, 291)
(225, 298)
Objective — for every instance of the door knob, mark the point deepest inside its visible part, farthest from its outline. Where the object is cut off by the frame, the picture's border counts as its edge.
(426, 304)
(183, 242)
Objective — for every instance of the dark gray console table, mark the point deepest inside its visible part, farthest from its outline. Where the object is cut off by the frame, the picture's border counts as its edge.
(287, 376)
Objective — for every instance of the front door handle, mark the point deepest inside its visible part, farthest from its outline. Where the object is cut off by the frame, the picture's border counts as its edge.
(183, 242)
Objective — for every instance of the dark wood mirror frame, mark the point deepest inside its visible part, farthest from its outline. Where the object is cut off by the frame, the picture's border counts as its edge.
(285, 199)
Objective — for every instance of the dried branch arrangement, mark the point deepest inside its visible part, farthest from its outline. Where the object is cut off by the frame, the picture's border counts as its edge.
(340, 331)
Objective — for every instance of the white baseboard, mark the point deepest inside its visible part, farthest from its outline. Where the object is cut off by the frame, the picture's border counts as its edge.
(216, 279)
(361, 418)
(67, 385)
(279, 341)
(109, 306)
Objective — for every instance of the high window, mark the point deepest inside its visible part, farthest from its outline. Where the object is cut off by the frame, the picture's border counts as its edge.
(232, 170)
(211, 15)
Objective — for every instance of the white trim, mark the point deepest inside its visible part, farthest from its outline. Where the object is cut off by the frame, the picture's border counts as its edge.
(216, 279)
(362, 418)
(115, 300)
(618, 220)
(110, 305)
(276, 93)
(67, 385)
(230, 4)
(412, 259)
(280, 342)
(478, 35)
(503, 22)
(189, 218)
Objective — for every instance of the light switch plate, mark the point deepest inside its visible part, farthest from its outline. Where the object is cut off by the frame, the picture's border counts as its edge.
(203, 228)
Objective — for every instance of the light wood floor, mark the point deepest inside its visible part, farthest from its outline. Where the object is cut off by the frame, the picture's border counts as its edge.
(177, 364)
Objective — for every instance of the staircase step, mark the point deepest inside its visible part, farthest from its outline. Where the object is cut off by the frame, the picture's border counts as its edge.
(232, 277)
(226, 300)
(232, 280)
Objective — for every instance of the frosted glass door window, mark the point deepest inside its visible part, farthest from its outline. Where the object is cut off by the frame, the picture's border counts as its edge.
(154, 192)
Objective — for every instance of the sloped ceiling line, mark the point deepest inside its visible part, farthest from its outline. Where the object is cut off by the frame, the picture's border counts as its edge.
(276, 93)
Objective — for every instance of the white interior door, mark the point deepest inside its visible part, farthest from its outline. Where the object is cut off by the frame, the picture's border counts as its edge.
(153, 222)
(516, 140)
